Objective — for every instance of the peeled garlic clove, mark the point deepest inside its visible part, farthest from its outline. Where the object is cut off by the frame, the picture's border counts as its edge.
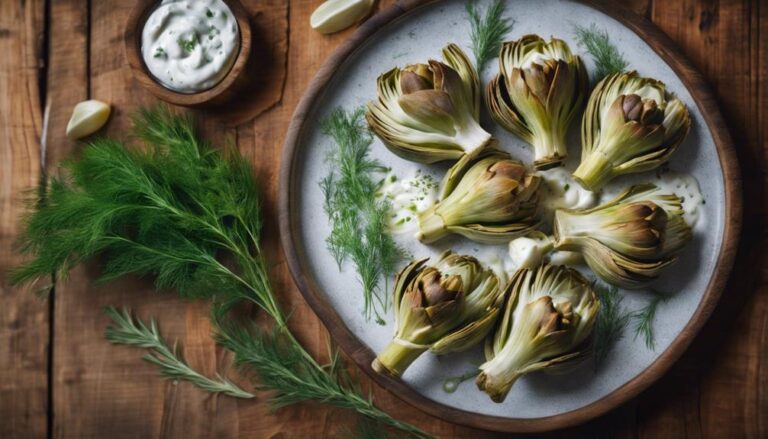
(87, 118)
(335, 15)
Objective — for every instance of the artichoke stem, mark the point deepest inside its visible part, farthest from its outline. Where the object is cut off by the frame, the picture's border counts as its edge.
(549, 151)
(431, 227)
(473, 137)
(497, 391)
(395, 358)
(594, 172)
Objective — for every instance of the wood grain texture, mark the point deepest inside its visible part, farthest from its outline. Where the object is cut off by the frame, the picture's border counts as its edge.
(717, 389)
(24, 318)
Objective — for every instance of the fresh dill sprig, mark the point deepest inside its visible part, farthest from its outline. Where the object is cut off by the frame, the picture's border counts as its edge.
(359, 227)
(606, 56)
(451, 384)
(127, 330)
(488, 32)
(611, 321)
(175, 211)
(644, 320)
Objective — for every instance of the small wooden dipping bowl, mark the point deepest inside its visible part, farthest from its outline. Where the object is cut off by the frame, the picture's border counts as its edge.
(219, 94)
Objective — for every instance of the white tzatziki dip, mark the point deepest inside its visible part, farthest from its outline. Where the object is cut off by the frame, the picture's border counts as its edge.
(408, 197)
(190, 45)
(560, 191)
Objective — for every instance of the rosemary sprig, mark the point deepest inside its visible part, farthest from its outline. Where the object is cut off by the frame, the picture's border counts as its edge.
(175, 211)
(644, 320)
(611, 321)
(359, 231)
(488, 31)
(130, 331)
(606, 56)
(285, 367)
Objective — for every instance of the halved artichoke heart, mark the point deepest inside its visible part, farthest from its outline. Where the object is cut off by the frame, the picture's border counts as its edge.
(539, 90)
(546, 322)
(629, 240)
(446, 307)
(631, 124)
(488, 198)
(429, 113)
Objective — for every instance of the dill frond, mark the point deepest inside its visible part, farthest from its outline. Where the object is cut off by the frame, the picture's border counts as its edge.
(606, 56)
(644, 320)
(175, 211)
(611, 321)
(130, 331)
(359, 228)
(488, 31)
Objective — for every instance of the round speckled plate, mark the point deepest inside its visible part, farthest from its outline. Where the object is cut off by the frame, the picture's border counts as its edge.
(414, 32)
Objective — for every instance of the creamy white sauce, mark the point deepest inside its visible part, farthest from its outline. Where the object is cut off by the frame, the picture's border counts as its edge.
(560, 191)
(529, 251)
(562, 257)
(190, 45)
(687, 188)
(408, 197)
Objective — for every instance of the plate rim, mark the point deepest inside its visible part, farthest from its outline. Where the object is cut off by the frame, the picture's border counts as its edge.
(362, 356)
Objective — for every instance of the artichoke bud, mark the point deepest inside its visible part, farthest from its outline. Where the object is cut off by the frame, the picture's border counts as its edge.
(643, 111)
(631, 124)
(537, 93)
(445, 308)
(628, 240)
(429, 112)
(488, 198)
(416, 77)
(546, 322)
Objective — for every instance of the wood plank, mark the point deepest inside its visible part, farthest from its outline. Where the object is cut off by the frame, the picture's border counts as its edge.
(715, 389)
(121, 395)
(24, 326)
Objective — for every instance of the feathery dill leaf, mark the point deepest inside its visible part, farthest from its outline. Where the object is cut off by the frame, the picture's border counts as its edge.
(644, 320)
(130, 331)
(606, 56)
(175, 211)
(611, 321)
(488, 32)
(359, 228)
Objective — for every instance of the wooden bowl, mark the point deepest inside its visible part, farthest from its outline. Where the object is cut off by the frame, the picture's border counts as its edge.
(348, 339)
(222, 92)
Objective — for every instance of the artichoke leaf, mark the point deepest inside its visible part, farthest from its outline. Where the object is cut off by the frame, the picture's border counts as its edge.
(467, 336)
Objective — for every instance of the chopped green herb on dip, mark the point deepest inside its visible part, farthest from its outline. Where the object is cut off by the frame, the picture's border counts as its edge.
(190, 45)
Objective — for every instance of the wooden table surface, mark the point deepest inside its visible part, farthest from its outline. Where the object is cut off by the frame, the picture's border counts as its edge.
(59, 377)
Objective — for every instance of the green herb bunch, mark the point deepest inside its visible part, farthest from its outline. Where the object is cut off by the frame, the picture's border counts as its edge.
(606, 56)
(189, 216)
(612, 319)
(359, 220)
(488, 31)
(644, 319)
